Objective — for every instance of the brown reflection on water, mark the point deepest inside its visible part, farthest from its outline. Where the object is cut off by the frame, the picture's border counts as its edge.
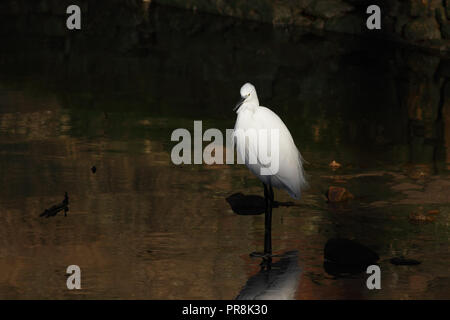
(142, 228)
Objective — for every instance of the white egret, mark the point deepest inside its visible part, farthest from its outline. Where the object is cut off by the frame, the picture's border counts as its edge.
(289, 174)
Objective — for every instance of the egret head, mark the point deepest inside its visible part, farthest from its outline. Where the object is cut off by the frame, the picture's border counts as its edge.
(247, 90)
(248, 94)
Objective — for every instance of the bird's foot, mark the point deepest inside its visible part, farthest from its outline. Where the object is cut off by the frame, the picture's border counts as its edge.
(263, 255)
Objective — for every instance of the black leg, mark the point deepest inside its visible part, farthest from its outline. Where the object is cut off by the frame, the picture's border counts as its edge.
(268, 195)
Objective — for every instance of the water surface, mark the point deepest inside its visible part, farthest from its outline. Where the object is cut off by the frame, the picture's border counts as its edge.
(141, 227)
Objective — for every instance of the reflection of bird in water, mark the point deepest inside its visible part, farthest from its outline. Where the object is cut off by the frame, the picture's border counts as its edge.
(275, 281)
(285, 170)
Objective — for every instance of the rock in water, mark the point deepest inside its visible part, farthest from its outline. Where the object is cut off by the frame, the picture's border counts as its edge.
(433, 212)
(419, 218)
(401, 261)
(246, 204)
(334, 165)
(338, 194)
(341, 270)
(349, 252)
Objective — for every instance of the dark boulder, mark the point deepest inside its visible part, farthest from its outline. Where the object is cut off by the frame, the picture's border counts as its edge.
(349, 252)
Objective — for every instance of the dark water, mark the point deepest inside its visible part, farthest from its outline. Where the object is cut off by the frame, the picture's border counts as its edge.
(141, 227)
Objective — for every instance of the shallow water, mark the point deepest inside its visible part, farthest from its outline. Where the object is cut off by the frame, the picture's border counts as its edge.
(141, 227)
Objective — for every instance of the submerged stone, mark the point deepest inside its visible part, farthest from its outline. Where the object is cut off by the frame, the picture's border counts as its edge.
(338, 194)
(334, 165)
(401, 261)
(349, 252)
(433, 212)
(419, 218)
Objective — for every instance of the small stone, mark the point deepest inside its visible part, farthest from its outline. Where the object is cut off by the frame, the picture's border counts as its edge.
(334, 165)
(418, 171)
(401, 261)
(419, 218)
(338, 194)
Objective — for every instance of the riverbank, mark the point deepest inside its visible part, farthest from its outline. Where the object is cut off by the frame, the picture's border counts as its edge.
(422, 23)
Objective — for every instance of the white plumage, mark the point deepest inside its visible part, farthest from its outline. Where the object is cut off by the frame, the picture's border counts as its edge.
(250, 115)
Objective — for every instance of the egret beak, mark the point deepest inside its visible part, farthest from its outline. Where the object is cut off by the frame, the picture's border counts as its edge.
(239, 103)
